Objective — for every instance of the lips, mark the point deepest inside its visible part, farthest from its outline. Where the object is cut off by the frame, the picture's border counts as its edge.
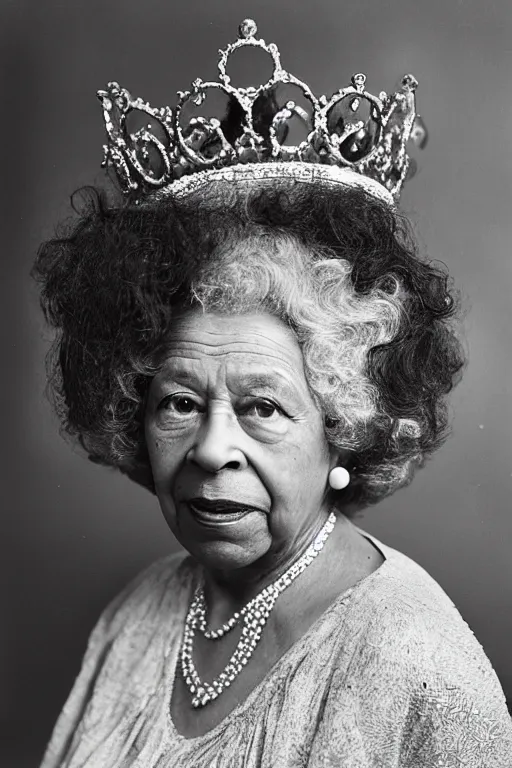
(219, 511)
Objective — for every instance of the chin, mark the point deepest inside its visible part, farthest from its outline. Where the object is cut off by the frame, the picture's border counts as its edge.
(227, 555)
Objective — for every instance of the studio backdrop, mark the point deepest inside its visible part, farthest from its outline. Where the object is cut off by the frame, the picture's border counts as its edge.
(75, 533)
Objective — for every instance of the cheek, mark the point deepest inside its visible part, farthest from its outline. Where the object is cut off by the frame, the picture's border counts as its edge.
(300, 467)
(164, 469)
(163, 458)
(310, 449)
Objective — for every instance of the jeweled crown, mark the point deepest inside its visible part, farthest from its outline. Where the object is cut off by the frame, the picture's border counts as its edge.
(374, 148)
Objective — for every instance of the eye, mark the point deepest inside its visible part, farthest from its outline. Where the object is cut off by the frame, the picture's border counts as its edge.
(262, 409)
(182, 405)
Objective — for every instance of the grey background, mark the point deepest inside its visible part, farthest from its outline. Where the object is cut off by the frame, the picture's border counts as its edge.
(73, 533)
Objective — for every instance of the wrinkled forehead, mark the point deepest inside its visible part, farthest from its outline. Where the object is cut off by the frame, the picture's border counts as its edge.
(256, 346)
(196, 333)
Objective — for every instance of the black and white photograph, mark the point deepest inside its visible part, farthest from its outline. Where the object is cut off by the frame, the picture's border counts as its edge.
(257, 384)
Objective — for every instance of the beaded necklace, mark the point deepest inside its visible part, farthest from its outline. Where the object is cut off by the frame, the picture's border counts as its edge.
(254, 616)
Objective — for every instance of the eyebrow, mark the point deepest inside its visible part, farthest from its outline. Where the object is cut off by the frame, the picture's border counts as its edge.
(187, 378)
(274, 382)
(265, 381)
(252, 381)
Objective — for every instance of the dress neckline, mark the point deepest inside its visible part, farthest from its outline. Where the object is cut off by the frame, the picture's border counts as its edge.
(173, 657)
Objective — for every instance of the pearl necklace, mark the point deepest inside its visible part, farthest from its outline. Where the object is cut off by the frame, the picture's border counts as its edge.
(254, 616)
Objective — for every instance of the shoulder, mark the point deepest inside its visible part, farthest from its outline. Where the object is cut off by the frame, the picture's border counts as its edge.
(414, 632)
(125, 655)
(401, 599)
(159, 588)
(409, 615)
(412, 655)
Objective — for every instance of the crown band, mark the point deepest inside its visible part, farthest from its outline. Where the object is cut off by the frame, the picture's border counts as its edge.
(308, 173)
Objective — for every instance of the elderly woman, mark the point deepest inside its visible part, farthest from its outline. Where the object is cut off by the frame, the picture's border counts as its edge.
(258, 344)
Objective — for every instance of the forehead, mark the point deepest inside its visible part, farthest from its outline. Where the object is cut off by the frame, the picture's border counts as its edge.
(259, 341)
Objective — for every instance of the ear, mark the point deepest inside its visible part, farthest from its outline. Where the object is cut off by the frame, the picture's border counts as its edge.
(339, 457)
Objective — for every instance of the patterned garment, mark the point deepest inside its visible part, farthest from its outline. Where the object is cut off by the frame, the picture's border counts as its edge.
(390, 676)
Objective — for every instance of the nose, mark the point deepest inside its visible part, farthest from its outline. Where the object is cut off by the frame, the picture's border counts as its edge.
(217, 445)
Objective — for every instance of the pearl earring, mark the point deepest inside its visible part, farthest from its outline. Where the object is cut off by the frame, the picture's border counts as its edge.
(339, 478)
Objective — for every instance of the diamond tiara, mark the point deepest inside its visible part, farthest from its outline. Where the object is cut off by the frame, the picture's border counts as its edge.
(179, 157)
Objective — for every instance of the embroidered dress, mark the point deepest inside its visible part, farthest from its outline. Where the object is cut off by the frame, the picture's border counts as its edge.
(389, 676)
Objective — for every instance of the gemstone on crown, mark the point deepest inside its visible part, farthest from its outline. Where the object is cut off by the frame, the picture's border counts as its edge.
(375, 147)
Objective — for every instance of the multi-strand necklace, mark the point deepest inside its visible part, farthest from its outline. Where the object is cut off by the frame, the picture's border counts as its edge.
(254, 616)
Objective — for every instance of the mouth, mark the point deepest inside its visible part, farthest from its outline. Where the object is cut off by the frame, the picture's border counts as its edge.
(220, 511)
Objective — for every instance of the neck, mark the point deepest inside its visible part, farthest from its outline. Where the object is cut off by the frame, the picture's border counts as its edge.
(229, 591)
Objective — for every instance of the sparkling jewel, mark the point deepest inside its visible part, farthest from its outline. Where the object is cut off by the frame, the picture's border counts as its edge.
(247, 28)
(254, 616)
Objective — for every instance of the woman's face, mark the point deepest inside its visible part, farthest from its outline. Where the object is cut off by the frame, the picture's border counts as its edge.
(236, 443)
